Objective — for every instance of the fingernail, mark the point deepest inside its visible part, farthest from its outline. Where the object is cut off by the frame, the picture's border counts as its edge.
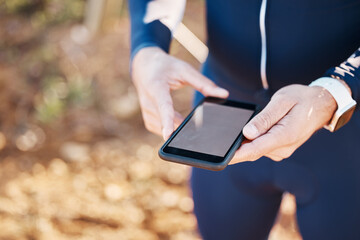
(250, 131)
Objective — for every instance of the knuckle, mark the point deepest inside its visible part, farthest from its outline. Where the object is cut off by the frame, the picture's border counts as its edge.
(263, 121)
(283, 98)
(144, 101)
(166, 117)
(205, 89)
(147, 113)
(255, 154)
(293, 139)
(279, 95)
(153, 129)
(277, 159)
(148, 126)
(290, 139)
(148, 122)
(282, 154)
(278, 142)
(275, 156)
(282, 136)
(181, 65)
(164, 105)
(288, 153)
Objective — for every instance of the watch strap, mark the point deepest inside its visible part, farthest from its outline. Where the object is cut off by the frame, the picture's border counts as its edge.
(336, 89)
(342, 97)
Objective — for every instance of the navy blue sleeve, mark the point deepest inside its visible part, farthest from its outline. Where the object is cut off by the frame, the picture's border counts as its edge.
(145, 35)
(349, 71)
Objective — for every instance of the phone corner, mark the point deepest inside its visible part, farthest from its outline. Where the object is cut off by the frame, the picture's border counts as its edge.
(161, 153)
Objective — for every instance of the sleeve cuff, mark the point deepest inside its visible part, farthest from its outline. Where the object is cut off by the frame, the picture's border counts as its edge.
(349, 72)
(151, 34)
(351, 80)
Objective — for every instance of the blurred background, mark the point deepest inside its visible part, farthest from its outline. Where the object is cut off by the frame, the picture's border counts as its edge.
(75, 159)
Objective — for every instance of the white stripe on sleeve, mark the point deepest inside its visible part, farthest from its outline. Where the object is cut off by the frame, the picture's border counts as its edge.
(169, 12)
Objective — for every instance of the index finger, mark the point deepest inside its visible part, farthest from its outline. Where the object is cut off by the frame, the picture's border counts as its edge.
(201, 83)
(166, 111)
(261, 146)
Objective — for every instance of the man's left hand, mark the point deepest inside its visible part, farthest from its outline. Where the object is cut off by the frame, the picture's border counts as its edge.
(294, 113)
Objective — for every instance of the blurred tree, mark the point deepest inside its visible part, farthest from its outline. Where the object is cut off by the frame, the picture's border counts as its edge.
(101, 13)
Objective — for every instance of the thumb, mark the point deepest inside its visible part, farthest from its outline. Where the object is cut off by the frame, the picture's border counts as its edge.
(201, 83)
(276, 109)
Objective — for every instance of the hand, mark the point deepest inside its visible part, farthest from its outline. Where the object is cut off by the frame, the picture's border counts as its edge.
(155, 73)
(291, 117)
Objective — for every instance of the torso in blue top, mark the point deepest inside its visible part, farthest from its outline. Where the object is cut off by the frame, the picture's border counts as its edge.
(306, 39)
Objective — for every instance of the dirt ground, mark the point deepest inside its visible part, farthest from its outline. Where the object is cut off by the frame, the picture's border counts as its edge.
(75, 159)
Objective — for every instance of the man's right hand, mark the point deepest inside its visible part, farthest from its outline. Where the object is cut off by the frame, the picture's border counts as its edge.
(155, 74)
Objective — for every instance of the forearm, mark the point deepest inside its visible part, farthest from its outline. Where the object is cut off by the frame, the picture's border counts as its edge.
(152, 23)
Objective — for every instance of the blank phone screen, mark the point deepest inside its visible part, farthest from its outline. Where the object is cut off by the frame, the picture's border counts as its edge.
(212, 129)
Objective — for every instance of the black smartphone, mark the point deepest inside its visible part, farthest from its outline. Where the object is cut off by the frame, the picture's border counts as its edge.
(210, 134)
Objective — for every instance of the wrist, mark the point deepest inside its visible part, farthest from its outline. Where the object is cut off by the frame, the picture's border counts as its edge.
(143, 56)
(328, 103)
(341, 93)
(148, 51)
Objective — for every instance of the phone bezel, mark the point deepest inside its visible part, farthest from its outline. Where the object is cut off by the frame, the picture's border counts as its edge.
(204, 160)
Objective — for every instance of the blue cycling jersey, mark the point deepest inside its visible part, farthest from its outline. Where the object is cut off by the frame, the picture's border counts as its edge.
(300, 41)
(304, 39)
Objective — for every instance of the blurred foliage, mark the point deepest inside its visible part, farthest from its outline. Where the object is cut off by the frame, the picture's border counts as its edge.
(58, 93)
(26, 25)
(44, 12)
(22, 6)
